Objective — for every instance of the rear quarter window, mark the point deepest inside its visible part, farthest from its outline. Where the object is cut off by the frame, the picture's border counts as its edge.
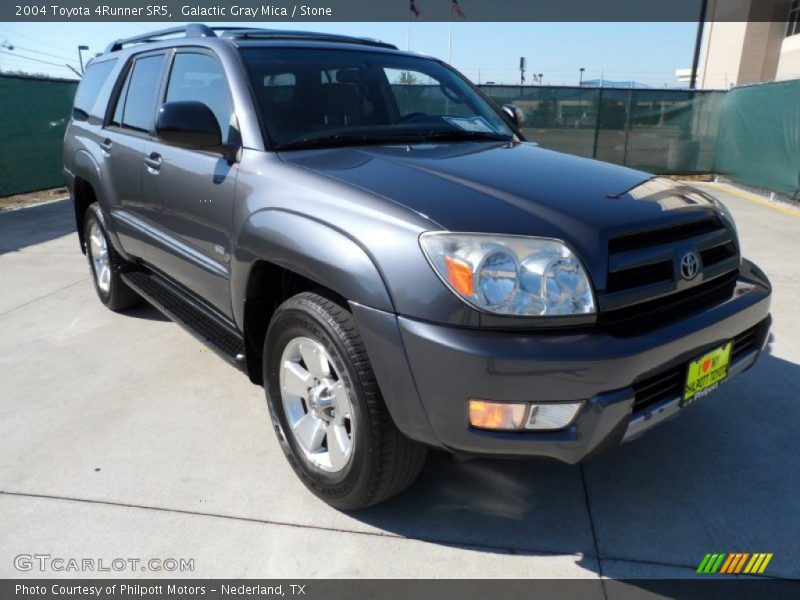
(88, 98)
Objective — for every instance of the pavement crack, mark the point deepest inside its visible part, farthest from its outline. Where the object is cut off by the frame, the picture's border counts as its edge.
(594, 532)
(53, 293)
(380, 534)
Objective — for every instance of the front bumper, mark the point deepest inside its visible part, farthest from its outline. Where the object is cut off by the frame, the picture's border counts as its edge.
(450, 365)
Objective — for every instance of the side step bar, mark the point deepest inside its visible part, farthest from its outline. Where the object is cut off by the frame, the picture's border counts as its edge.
(189, 314)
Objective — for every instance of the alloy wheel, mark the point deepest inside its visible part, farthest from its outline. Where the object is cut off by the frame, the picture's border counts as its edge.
(317, 405)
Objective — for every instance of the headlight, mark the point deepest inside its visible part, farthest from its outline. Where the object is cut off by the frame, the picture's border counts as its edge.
(511, 275)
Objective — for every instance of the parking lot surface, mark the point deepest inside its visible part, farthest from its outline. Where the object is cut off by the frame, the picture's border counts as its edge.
(122, 436)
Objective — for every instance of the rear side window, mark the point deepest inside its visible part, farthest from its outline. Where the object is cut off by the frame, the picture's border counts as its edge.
(200, 77)
(93, 80)
(136, 105)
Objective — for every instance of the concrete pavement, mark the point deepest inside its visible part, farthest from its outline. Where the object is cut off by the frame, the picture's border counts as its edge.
(124, 437)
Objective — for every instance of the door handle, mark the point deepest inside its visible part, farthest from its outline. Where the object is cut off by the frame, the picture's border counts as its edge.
(153, 161)
(105, 145)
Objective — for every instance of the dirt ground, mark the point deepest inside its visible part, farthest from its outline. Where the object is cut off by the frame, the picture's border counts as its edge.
(31, 198)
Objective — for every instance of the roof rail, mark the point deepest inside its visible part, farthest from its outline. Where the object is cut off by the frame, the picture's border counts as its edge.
(279, 34)
(191, 30)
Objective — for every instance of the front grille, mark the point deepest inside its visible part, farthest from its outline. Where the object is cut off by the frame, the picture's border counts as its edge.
(634, 319)
(717, 254)
(665, 385)
(639, 276)
(747, 341)
(664, 235)
(669, 384)
(644, 288)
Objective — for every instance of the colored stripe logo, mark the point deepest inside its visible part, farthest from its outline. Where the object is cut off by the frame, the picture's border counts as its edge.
(735, 563)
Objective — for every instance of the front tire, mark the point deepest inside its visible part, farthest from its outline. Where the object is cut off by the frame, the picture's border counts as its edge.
(105, 263)
(328, 412)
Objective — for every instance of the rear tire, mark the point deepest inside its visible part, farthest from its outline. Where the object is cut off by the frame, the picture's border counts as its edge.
(105, 264)
(327, 410)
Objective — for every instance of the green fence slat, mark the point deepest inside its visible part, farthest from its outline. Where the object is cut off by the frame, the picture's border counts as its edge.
(33, 116)
(657, 130)
(759, 137)
(750, 134)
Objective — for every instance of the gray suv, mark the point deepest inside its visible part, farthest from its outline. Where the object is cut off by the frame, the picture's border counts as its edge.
(365, 234)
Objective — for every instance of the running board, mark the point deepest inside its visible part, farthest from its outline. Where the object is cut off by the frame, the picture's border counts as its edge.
(193, 317)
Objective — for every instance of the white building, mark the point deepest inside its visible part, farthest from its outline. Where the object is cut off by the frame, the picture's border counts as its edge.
(738, 50)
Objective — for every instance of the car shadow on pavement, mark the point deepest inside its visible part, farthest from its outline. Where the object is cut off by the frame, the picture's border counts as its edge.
(35, 224)
(146, 311)
(722, 477)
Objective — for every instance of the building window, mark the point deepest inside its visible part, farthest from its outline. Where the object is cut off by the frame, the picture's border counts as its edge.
(793, 26)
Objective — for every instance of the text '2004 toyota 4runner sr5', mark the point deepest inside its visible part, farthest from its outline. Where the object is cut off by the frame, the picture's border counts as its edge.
(367, 236)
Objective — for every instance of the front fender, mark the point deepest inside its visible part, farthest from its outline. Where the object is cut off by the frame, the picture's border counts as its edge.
(309, 248)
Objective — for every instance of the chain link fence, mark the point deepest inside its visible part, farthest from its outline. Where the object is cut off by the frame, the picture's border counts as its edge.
(33, 116)
(662, 131)
(759, 140)
(750, 134)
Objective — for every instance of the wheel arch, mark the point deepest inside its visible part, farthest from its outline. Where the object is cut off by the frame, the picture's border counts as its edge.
(85, 191)
(279, 254)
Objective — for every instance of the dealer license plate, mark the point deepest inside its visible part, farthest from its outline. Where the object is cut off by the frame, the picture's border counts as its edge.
(706, 373)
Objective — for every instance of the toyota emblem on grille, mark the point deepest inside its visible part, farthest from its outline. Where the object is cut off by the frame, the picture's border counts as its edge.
(690, 265)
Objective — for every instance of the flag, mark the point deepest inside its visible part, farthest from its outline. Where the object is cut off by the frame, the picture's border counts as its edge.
(413, 8)
(455, 7)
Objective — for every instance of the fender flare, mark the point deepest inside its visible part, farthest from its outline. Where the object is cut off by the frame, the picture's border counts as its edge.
(86, 168)
(331, 258)
(310, 248)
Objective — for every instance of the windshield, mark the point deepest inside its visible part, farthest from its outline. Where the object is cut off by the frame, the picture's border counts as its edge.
(323, 97)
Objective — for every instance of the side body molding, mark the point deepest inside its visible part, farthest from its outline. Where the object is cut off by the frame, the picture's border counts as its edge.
(309, 248)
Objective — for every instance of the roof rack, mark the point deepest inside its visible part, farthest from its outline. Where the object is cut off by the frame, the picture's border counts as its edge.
(278, 34)
(191, 30)
(239, 33)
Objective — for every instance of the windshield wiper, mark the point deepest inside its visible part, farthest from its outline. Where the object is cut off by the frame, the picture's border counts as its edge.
(463, 134)
(350, 139)
(344, 139)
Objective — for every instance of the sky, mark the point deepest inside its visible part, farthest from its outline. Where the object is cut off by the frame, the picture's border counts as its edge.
(645, 52)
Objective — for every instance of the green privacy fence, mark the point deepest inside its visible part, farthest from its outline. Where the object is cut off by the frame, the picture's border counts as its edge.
(759, 139)
(750, 134)
(33, 116)
(663, 131)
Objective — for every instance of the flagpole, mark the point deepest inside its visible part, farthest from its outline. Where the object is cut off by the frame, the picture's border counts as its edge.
(408, 33)
(450, 40)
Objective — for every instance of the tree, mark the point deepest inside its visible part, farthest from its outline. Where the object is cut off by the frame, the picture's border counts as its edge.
(408, 78)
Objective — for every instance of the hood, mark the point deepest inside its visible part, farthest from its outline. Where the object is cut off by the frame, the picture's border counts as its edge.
(511, 189)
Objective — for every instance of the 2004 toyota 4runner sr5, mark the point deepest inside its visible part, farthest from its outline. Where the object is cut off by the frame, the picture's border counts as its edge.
(363, 233)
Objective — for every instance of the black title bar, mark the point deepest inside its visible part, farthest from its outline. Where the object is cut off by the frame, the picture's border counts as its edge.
(391, 10)
(440, 589)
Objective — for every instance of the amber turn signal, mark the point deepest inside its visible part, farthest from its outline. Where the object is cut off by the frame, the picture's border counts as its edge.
(459, 273)
(496, 415)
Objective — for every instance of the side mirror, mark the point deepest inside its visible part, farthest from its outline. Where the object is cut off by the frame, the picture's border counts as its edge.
(514, 113)
(188, 124)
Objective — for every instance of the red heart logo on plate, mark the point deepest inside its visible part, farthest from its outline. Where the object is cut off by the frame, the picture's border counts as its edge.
(706, 365)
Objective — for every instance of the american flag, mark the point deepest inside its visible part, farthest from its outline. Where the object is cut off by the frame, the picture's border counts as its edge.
(456, 8)
(413, 8)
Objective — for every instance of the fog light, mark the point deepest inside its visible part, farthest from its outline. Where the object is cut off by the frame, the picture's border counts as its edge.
(552, 416)
(497, 415)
